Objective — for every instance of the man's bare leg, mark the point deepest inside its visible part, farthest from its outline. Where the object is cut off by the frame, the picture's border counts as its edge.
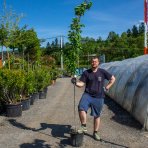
(96, 123)
(82, 116)
(96, 128)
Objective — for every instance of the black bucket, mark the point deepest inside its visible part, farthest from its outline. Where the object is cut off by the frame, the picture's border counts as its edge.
(36, 96)
(42, 95)
(2, 108)
(14, 110)
(32, 99)
(26, 104)
(46, 90)
(76, 139)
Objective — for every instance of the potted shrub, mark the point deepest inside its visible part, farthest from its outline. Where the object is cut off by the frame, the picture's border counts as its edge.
(54, 75)
(12, 83)
(47, 79)
(30, 86)
(27, 98)
(40, 82)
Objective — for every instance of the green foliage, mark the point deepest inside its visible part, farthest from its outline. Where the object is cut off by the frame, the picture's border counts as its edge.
(29, 71)
(141, 28)
(9, 27)
(31, 44)
(42, 77)
(116, 47)
(11, 86)
(80, 10)
(54, 72)
(14, 37)
(30, 84)
(3, 35)
(54, 50)
(74, 35)
(47, 60)
(135, 31)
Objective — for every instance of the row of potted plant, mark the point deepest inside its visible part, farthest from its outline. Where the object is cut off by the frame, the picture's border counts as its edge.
(19, 89)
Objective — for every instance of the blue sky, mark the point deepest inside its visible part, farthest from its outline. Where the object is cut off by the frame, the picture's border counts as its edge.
(52, 17)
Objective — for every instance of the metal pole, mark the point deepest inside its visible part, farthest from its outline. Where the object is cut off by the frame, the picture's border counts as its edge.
(145, 24)
(61, 39)
(145, 40)
(75, 106)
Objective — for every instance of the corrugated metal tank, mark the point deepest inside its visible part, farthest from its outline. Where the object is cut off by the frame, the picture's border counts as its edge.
(131, 87)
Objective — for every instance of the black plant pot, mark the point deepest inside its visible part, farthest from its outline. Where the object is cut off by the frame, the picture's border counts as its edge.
(32, 98)
(46, 90)
(42, 95)
(14, 110)
(26, 104)
(76, 139)
(36, 96)
(2, 108)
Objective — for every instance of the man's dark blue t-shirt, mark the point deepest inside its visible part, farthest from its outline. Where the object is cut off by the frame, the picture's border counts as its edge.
(95, 82)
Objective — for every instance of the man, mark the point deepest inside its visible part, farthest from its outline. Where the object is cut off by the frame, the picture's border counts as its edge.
(93, 96)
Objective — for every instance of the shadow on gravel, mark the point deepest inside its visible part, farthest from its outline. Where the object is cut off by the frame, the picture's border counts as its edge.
(112, 144)
(19, 125)
(120, 115)
(36, 144)
(57, 131)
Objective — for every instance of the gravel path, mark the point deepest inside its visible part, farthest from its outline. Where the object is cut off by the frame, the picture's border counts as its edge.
(47, 124)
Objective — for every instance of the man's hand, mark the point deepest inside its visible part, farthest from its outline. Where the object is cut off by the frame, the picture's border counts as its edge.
(105, 89)
(73, 81)
(111, 82)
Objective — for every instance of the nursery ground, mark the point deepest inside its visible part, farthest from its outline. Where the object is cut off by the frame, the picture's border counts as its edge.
(47, 124)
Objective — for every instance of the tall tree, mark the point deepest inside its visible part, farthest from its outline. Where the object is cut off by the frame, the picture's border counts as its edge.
(56, 42)
(9, 22)
(141, 28)
(3, 35)
(74, 35)
(48, 45)
(129, 33)
(135, 31)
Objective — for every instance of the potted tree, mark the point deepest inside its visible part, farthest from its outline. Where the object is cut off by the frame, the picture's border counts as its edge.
(72, 57)
(12, 83)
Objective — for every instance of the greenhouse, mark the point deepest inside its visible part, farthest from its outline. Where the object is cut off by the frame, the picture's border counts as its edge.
(130, 88)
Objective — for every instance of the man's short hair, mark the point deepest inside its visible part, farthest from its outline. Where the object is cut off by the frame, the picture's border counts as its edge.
(95, 57)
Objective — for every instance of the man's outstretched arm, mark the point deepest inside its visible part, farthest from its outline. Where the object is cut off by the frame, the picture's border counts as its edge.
(80, 84)
(111, 82)
(77, 83)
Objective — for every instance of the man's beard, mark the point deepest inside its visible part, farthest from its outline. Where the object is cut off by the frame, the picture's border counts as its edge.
(94, 67)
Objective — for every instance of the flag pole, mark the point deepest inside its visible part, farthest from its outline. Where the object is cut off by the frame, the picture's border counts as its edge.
(145, 24)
